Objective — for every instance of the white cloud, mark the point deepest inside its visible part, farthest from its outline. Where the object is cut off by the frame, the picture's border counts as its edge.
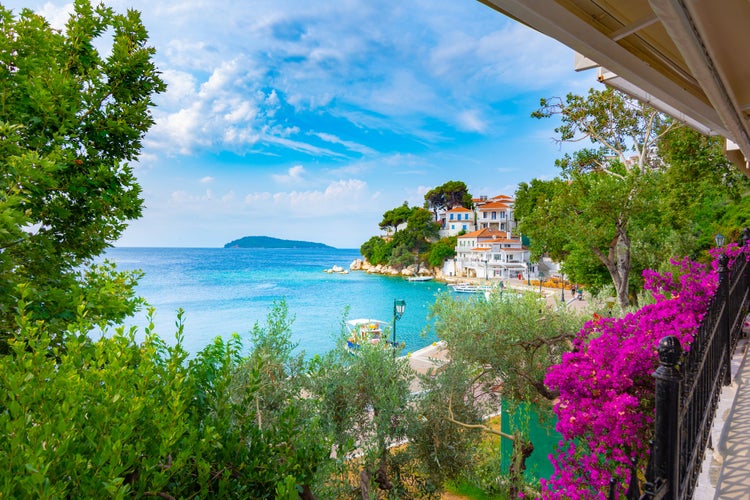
(207, 180)
(293, 175)
(350, 145)
(470, 121)
(56, 15)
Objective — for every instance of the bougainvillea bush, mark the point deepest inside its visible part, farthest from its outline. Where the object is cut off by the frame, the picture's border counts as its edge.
(605, 384)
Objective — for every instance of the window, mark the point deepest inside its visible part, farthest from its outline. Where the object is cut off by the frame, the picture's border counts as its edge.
(494, 215)
(451, 216)
(464, 227)
(466, 217)
(453, 226)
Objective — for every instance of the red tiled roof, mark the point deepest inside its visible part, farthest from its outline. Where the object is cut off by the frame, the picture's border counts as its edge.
(493, 204)
(485, 233)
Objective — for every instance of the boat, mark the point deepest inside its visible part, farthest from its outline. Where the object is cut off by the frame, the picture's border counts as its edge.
(467, 288)
(419, 278)
(369, 331)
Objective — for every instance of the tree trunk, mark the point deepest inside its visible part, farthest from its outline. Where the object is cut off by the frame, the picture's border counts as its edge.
(522, 449)
(617, 262)
(364, 484)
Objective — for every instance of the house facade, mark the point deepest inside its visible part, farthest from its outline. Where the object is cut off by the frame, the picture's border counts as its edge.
(496, 213)
(456, 220)
(491, 254)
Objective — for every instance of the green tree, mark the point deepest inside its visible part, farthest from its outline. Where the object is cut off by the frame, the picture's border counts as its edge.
(699, 189)
(377, 250)
(442, 250)
(70, 119)
(395, 217)
(447, 196)
(500, 349)
(364, 404)
(121, 418)
(607, 185)
(415, 239)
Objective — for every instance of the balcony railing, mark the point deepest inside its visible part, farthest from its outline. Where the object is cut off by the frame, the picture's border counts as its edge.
(688, 388)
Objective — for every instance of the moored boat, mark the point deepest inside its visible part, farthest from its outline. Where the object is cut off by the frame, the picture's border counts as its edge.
(370, 331)
(467, 288)
(419, 278)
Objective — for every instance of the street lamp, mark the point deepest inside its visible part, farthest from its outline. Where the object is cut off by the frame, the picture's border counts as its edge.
(541, 278)
(528, 273)
(398, 310)
(562, 290)
(719, 239)
(486, 274)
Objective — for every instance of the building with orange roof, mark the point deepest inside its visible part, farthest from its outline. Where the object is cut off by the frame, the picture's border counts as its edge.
(497, 214)
(492, 213)
(491, 254)
(457, 220)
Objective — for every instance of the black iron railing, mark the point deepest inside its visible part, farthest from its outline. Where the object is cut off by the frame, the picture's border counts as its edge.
(688, 388)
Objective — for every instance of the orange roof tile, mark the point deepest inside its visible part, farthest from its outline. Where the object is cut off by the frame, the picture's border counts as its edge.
(493, 204)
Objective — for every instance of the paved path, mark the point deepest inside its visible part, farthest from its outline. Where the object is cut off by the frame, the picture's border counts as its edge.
(734, 445)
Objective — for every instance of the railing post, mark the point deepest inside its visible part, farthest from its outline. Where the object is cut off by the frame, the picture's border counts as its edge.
(725, 332)
(666, 442)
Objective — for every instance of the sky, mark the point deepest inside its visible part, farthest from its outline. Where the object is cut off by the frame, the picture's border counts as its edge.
(308, 119)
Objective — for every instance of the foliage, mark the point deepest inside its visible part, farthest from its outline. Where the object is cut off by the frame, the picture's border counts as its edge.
(509, 337)
(363, 406)
(445, 450)
(648, 190)
(606, 389)
(376, 250)
(70, 118)
(702, 194)
(442, 250)
(115, 417)
(405, 246)
(449, 195)
(500, 348)
(395, 217)
(616, 124)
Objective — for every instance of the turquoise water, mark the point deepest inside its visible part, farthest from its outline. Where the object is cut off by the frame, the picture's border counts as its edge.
(225, 291)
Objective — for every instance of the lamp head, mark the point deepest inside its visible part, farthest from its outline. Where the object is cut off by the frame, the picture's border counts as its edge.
(719, 238)
(398, 308)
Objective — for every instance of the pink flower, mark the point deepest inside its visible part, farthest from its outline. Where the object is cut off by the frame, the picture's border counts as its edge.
(605, 385)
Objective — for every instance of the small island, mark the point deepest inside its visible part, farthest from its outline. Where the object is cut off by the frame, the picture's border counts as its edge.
(268, 242)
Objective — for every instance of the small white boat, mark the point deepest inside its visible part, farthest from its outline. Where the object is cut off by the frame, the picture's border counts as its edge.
(419, 278)
(466, 288)
(369, 331)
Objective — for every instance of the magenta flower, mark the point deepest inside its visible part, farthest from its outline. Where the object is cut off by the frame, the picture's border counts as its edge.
(606, 390)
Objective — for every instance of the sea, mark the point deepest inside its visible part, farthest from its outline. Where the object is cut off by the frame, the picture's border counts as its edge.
(228, 290)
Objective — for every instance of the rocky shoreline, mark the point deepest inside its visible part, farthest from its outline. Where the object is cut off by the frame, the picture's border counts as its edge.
(364, 265)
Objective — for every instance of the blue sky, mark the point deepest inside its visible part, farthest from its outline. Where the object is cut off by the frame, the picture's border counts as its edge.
(309, 119)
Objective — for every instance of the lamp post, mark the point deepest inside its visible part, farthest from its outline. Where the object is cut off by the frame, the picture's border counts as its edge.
(486, 273)
(528, 273)
(398, 310)
(562, 290)
(719, 239)
(541, 278)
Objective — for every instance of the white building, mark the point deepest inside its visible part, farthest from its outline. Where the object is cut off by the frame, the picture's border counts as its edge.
(455, 220)
(497, 214)
(488, 253)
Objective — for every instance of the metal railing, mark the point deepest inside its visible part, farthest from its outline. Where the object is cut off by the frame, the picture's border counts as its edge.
(688, 388)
